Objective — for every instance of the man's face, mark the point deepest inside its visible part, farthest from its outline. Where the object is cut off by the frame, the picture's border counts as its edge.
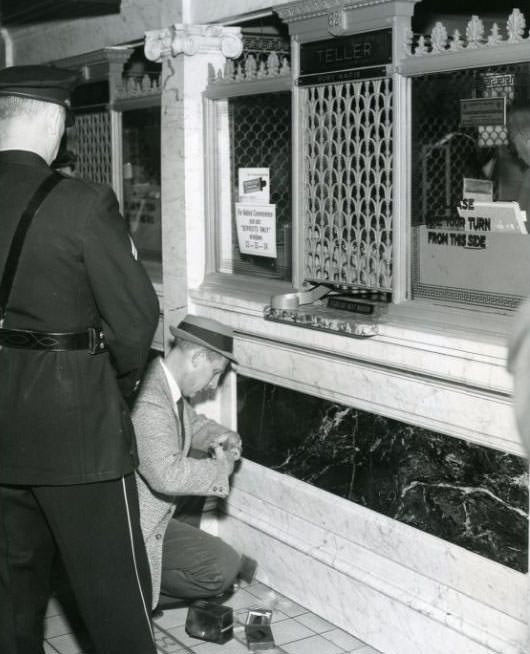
(203, 373)
(521, 142)
(519, 133)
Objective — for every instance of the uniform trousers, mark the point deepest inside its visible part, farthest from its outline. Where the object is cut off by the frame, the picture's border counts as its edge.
(96, 530)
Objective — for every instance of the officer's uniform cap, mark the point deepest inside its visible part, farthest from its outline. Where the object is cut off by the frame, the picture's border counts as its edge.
(44, 83)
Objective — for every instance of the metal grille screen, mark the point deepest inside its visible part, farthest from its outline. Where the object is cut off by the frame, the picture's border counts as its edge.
(91, 134)
(348, 184)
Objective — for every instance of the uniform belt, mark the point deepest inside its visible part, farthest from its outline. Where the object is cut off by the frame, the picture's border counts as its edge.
(91, 340)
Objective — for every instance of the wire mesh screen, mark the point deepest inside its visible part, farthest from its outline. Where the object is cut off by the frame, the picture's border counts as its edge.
(260, 136)
(92, 143)
(348, 184)
(445, 153)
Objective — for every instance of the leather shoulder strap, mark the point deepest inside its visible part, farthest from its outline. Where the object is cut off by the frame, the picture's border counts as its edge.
(20, 234)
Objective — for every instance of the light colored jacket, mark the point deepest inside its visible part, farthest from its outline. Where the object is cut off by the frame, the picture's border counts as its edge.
(165, 471)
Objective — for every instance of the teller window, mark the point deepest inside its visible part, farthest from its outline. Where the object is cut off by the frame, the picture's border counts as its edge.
(249, 159)
(253, 157)
(471, 185)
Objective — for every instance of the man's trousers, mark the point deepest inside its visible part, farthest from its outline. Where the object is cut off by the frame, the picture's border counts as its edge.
(196, 564)
(96, 530)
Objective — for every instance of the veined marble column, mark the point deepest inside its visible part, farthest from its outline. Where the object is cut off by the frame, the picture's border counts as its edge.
(188, 54)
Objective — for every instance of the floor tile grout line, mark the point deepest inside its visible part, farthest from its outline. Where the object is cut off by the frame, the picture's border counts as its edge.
(179, 642)
(342, 650)
(319, 633)
(51, 645)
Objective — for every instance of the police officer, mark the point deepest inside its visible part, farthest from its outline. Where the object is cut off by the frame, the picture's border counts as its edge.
(78, 315)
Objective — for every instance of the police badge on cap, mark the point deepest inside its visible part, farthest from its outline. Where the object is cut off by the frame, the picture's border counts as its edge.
(43, 83)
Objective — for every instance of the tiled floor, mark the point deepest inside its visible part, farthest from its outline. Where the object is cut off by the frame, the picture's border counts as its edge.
(295, 630)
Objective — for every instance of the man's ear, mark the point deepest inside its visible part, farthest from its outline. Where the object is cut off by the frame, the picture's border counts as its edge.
(57, 121)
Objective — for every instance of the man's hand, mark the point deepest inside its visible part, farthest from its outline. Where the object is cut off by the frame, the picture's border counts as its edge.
(230, 441)
(225, 457)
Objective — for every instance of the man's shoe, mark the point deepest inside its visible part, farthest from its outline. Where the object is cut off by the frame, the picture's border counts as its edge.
(247, 569)
(169, 602)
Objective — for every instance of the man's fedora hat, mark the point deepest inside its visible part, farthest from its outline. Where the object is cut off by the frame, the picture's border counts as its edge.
(44, 83)
(208, 333)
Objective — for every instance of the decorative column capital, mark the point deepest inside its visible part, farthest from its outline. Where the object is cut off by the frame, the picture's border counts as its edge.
(193, 39)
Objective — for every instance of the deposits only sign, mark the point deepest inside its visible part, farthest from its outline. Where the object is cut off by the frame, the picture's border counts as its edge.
(256, 229)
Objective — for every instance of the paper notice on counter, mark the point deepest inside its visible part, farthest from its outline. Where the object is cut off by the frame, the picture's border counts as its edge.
(480, 190)
(256, 229)
(504, 217)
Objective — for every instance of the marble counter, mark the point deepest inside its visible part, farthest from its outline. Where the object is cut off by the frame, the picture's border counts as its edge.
(467, 494)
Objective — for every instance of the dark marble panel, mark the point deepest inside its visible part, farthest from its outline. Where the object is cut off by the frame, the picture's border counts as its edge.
(470, 495)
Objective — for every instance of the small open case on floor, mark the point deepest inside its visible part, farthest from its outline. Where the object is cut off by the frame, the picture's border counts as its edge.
(258, 629)
(209, 621)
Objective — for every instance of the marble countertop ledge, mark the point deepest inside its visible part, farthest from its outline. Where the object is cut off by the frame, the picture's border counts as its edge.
(459, 345)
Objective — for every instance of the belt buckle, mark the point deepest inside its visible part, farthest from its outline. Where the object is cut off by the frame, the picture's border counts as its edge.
(92, 340)
(96, 344)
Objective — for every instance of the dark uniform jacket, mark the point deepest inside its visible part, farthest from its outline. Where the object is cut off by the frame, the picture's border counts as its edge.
(63, 416)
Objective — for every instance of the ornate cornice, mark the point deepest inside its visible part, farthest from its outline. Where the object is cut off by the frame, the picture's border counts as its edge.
(96, 64)
(304, 9)
(193, 39)
(441, 43)
(260, 43)
(308, 9)
(251, 69)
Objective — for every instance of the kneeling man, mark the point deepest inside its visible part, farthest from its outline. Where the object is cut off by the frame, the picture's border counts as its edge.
(184, 454)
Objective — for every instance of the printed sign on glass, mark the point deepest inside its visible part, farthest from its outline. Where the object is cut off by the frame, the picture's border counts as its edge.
(482, 111)
(256, 229)
(254, 185)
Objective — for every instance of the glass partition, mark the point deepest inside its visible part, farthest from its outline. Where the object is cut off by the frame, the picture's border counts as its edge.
(471, 185)
(141, 184)
(253, 162)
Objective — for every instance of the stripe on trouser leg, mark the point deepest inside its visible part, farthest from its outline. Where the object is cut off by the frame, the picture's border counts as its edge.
(131, 538)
